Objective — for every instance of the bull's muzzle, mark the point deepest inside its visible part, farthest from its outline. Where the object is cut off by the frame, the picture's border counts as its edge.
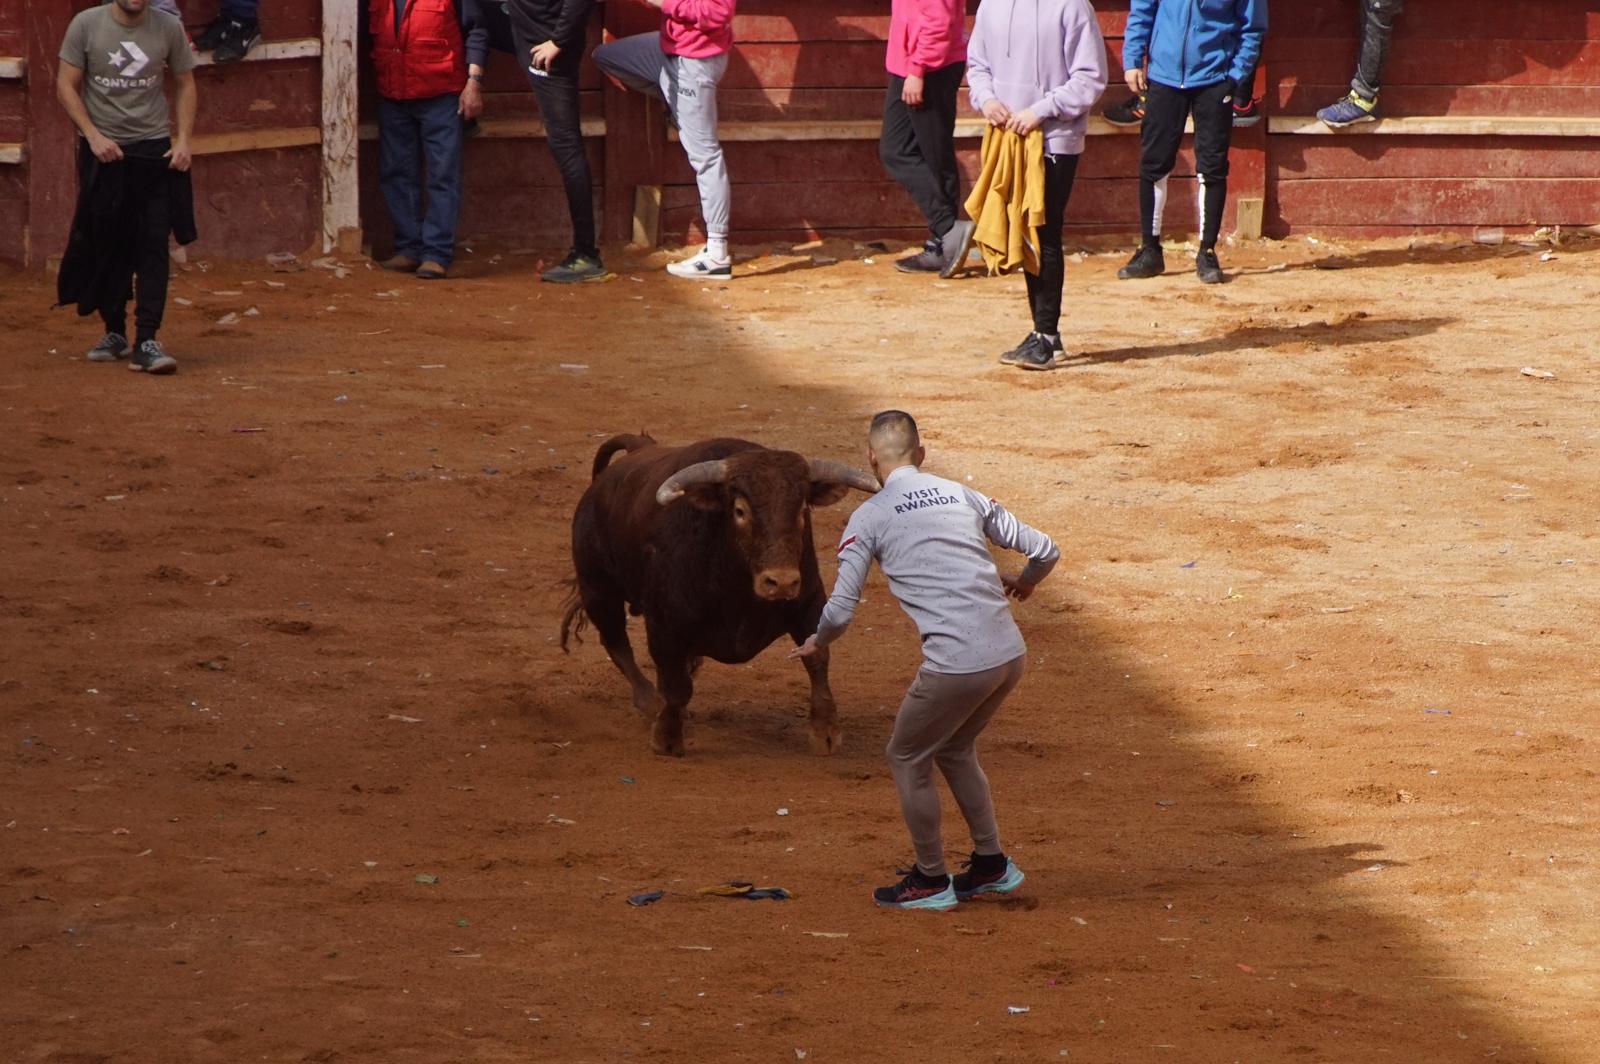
(778, 585)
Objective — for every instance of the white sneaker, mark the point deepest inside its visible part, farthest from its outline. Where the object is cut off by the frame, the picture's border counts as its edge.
(702, 265)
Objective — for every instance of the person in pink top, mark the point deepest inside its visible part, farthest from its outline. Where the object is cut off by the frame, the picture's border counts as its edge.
(927, 57)
(683, 64)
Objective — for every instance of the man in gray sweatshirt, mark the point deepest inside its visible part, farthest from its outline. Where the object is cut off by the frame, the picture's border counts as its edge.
(931, 538)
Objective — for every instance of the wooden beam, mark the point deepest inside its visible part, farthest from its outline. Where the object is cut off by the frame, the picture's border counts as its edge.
(341, 188)
(509, 128)
(1445, 125)
(647, 215)
(869, 129)
(266, 52)
(13, 154)
(13, 66)
(256, 140)
(1252, 212)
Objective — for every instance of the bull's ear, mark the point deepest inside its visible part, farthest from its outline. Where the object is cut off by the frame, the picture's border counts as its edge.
(826, 492)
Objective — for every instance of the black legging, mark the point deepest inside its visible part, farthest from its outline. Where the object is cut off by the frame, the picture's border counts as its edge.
(557, 95)
(1044, 291)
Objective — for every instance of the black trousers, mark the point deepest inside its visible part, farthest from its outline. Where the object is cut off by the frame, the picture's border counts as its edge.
(918, 145)
(1167, 110)
(557, 96)
(138, 265)
(1377, 26)
(1044, 291)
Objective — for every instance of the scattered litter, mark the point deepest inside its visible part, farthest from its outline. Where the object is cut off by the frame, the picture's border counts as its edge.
(252, 313)
(121, 831)
(1338, 609)
(702, 949)
(784, 811)
(249, 430)
(146, 853)
(1247, 969)
(1541, 374)
(182, 302)
(799, 1054)
(1441, 712)
(284, 261)
(560, 821)
(827, 934)
(370, 864)
(229, 318)
(425, 879)
(1166, 803)
(392, 293)
(433, 365)
(1277, 267)
(575, 367)
(824, 260)
(962, 930)
(341, 398)
(626, 779)
(1190, 565)
(275, 284)
(1018, 1010)
(115, 498)
(639, 901)
(1374, 868)
(1080, 921)
(1548, 256)
(227, 292)
(463, 922)
(405, 719)
(748, 891)
(1405, 797)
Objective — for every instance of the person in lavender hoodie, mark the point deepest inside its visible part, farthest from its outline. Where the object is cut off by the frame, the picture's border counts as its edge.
(1040, 64)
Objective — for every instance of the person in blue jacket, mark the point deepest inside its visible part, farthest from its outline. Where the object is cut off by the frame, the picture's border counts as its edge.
(1201, 54)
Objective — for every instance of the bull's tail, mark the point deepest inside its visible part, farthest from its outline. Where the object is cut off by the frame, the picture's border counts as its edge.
(573, 620)
(603, 456)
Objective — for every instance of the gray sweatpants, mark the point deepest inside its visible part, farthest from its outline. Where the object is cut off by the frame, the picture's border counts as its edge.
(689, 86)
(938, 724)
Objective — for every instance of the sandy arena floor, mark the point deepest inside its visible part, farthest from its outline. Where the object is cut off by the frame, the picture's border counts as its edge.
(1304, 768)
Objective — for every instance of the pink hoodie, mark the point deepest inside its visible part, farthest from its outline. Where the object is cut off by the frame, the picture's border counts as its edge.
(926, 35)
(697, 29)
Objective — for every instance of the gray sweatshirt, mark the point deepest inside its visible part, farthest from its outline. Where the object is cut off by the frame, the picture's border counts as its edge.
(931, 538)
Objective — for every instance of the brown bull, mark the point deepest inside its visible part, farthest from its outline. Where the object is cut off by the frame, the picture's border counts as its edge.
(711, 543)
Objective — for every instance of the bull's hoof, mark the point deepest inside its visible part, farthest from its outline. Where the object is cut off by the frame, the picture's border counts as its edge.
(667, 742)
(826, 741)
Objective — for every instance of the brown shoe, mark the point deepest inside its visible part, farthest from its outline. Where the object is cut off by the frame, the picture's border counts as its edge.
(430, 271)
(401, 264)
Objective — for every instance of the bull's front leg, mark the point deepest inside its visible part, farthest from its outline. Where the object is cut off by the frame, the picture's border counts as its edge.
(825, 736)
(675, 678)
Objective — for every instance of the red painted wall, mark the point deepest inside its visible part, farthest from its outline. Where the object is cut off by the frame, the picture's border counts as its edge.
(823, 59)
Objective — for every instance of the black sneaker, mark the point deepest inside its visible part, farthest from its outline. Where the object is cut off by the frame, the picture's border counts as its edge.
(929, 260)
(151, 357)
(1039, 353)
(111, 347)
(1148, 261)
(917, 891)
(1010, 357)
(1207, 266)
(1246, 113)
(238, 37)
(987, 874)
(956, 245)
(211, 36)
(576, 268)
(1129, 112)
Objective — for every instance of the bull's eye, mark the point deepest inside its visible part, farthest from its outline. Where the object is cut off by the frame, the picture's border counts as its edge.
(741, 511)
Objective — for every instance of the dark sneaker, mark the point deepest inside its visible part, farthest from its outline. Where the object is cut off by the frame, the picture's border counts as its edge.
(917, 891)
(1129, 112)
(211, 36)
(1039, 353)
(238, 37)
(929, 260)
(111, 347)
(1246, 113)
(1148, 261)
(1209, 269)
(956, 245)
(1010, 357)
(992, 874)
(576, 268)
(1349, 111)
(151, 357)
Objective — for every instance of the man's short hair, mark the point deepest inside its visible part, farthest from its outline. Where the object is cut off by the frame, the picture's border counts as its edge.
(894, 433)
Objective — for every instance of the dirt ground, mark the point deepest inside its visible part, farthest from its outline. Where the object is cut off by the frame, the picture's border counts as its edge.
(1303, 770)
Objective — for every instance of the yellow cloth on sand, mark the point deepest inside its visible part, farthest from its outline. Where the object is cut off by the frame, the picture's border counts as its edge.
(1007, 200)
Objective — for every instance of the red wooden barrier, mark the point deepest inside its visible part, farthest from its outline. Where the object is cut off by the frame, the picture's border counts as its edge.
(816, 61)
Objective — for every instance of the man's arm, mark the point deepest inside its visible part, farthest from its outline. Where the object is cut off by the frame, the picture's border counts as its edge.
(475, 32)
(1136, 42)
(69, 90)
(1004, 530)
(179, 154)
(855, 560)
(1253, 14)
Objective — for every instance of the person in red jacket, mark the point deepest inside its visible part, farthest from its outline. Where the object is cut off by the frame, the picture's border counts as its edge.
(927, 57)
(419, 56)
(683, 64)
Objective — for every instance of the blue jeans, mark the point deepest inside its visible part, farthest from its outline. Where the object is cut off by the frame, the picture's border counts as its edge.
(425, 132)
(243, 10)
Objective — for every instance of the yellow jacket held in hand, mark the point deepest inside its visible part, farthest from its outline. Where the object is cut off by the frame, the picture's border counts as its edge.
(1007, 200)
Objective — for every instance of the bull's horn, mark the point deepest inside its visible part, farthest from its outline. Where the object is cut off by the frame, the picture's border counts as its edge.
(683, 479)
(826, 471)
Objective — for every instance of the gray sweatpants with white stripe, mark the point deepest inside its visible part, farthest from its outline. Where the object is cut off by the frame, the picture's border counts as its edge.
(689, 87)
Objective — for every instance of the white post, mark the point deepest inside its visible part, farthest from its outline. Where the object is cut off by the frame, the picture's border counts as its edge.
(341, 204)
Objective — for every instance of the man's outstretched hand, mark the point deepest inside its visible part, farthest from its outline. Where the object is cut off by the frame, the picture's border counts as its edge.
(805, 650)
(1017, 589)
